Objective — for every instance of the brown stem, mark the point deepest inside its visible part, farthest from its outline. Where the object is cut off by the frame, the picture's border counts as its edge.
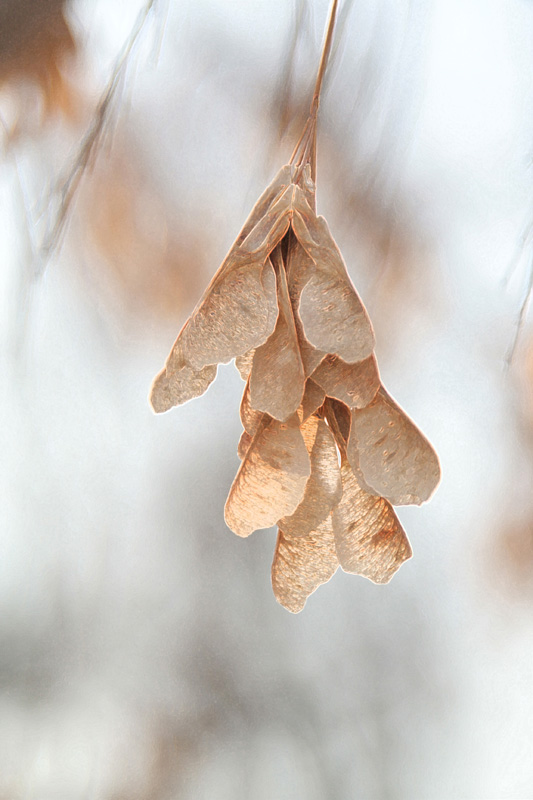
(305, 150)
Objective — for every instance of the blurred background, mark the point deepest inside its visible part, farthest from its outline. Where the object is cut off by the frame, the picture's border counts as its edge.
(142, 653)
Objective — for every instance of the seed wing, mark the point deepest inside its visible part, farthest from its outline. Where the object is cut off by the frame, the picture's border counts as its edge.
(244, 364)
(323, 490)
(301, 564)
(313, 398)
(354, 384)
(368, 536)
(238, 310)
(299, 270)
(250, 417)
(333, 316)
(271, 480)
(178, 382)
(277, 379)
(390, 455)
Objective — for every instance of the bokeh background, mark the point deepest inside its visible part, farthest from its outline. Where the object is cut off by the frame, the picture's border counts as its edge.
(142, 653)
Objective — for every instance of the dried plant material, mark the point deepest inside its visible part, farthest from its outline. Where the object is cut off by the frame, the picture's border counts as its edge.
(238, 312)
(390, 455)
(301, 564)
(250, 418)
(272, 192)
(36, 43)
(244, 364)
(179, 382)
(324, 488)
(283, 306)
(333, 316)
(313, 398)
(340, 420)
(244, 443)
(271, 480)
(368, 536)
(299, 270)
(239, 308)
(354, 384)
(277, 379)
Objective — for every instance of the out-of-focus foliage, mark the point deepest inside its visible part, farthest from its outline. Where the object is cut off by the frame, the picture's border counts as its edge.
(36, 47)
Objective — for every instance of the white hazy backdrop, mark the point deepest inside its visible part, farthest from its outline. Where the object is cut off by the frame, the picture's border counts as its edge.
(142, 653)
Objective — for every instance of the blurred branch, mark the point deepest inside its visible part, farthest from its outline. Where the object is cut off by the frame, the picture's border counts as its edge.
(521, 317)
(67, 186)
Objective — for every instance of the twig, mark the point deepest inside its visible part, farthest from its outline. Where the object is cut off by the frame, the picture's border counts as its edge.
(521, 317)
(305, 150)
(66, 187)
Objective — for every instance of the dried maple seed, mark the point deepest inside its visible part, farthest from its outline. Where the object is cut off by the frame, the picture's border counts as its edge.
(325, 450)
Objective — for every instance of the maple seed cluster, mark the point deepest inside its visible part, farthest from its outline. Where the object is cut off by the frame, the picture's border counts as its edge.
(325, 451)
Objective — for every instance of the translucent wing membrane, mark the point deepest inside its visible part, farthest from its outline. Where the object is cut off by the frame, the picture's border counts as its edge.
(313, 398)
(323, 490)
(354, 384)
(250, 418)
(390, 454)
(301, 564)
(333, 316)
(239, 308)
(368, 536)
(244, 364)
(277, 379)
(179, 382)
(271, 480)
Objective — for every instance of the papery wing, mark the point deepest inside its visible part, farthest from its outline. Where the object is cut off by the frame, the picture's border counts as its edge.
(244, 364)
(250, 417)
(277, 379)
(301, 564)
(333, 316)
(300, 267)
(271, 480)
(340, 419)
(244, 443)
(390, 455)
(324, 489)
(178, 382)
(271, 194)
(353, 384)
(368, 536)
(238, 313)
(238, 310)
(313, 398)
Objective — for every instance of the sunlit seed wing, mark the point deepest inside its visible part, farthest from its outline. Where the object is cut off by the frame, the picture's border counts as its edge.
(178, 382)
(271, 480)
(390, 455)
(323, 490)
(244, 443)
(341, 422)
(299, 269)
(244, 364)
(368, 536)
(313, 398)
(301, 564)
(277, 379)
(239, 313)
(271, 194)
(238, 310)
(333, 316)
(353, 384)
(250, 417)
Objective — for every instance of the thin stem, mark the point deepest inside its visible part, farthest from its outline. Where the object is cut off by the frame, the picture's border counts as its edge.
(324, 57)
(305, 150)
